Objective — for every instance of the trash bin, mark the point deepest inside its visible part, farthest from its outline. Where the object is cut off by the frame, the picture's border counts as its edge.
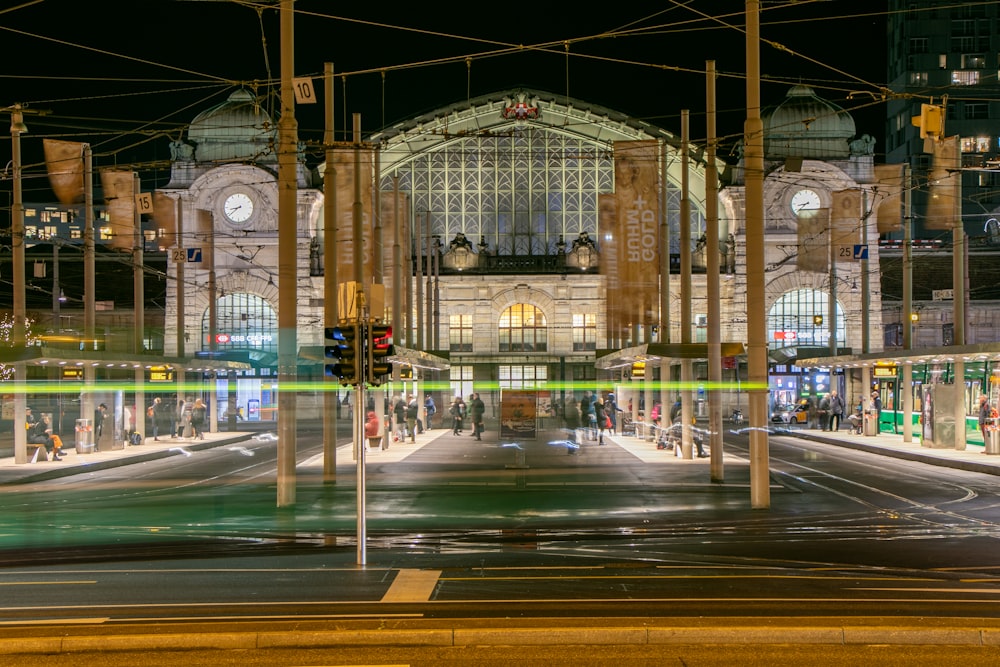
(993, 436)
(84, 437)
(871, 422)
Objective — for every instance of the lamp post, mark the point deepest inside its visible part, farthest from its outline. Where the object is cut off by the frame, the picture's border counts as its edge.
(17, 128)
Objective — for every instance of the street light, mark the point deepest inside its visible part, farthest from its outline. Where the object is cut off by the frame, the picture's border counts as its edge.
(17, 128)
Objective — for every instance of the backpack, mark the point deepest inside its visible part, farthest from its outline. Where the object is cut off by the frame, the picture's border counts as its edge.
(134, 438)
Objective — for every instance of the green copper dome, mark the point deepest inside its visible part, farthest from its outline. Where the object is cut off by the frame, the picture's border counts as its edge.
(236, 130)
(806, 126)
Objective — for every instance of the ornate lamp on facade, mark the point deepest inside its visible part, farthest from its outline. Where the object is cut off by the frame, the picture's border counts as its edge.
(583, 255)
(460, 255)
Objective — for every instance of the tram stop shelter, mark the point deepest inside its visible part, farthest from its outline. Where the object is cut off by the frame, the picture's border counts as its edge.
(933, 402)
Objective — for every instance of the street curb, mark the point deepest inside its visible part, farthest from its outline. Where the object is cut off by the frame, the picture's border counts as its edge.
(125, 460)
(628, 635)
(969, 466)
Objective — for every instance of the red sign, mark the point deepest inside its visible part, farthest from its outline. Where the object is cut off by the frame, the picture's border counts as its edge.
(785, 335)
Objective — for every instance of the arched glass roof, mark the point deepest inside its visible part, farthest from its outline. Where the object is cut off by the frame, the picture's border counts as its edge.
(521, 171)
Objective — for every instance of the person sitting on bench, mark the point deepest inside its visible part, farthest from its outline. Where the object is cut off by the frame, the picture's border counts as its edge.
(41, 434)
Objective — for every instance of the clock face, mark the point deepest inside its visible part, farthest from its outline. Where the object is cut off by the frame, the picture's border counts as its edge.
(238, 207)
(805, 200)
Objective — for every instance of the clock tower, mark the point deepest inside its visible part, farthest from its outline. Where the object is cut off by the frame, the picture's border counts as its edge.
(817, 191)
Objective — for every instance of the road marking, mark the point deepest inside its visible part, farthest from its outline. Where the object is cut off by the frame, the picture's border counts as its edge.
(412, 586)
(992, 591)
(42, 583)
(60, 621)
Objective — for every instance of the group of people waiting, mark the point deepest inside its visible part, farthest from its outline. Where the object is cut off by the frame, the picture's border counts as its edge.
(833, 411)
(474, 410)
(169, 420)
(593, 412)
(408, 424)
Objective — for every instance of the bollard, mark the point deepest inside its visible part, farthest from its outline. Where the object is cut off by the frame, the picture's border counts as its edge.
(519, 456)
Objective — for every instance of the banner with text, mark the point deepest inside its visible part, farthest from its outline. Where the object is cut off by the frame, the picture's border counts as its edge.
(636, 232)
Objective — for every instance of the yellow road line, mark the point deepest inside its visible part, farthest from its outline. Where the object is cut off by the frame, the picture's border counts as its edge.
(412, 586)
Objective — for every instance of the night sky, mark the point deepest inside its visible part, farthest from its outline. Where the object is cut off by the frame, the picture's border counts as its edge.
(127, 76)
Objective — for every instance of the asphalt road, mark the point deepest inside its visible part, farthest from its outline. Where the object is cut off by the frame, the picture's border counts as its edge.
(457, 536)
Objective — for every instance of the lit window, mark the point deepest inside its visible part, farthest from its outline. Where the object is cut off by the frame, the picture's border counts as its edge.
(964, 78)
(522, 329)
(584, 332)
(460, 333)
(522, 377)
(918, 78)
(460, 380)
(976, 61)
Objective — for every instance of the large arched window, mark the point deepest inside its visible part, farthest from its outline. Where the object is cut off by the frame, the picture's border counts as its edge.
(243, 322)
(801, 318)
(522, 329)
(520, 192)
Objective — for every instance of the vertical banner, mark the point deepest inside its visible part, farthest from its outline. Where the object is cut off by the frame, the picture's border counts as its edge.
(887, 197)
(814, 240)
(944, 192)
(389, 230)
(165, 219)
(636, 236)
(344, 233)
(608, 257)
(64, 162)
(117, 186)
(845, 218)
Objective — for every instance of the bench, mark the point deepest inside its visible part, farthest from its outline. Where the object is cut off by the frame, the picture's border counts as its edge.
(39, 447)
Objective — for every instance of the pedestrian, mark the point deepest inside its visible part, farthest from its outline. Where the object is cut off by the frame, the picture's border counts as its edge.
(412, 410)
(836, 410)
(157, 417)
(571, 416)
(197, 418)
(823, 414)
(601, 419)
(476, 410)
(877, 410)
(675, 410)
(100, 414)
(457, 412)
(985, 416)
(429, 410)
(399, 414)
(587, 417)
(180, 416)
(612, 410)
(371, 430)
(29, 418)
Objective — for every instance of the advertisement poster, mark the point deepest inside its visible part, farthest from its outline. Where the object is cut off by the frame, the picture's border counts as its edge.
(517, 414)
(253, 410)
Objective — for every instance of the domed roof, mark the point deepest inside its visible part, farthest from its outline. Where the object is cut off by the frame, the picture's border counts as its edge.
(237, 129)
(804, 125)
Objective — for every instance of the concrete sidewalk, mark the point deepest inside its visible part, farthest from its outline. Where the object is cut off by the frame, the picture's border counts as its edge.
(972, 458)
(75, 464)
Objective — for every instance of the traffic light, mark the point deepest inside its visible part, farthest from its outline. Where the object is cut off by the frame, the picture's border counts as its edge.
(930, 121)
(380, 347)
(818, 320)
(342, 347)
